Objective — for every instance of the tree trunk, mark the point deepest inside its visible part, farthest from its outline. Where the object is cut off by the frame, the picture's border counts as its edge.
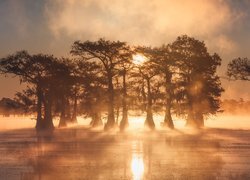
(96, 119)
(74, 118)
(195, 119)
(39, 120)
(117, 113)
(124, 121)
(149, 122)
(111, 118)
(144, 97)
(200, 120)
(67, 110)
(62, 122)
(168, 121)
(48, 120)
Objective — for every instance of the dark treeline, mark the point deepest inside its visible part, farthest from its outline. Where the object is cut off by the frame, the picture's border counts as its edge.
(101, 79)
(235, 107)
(12, 107)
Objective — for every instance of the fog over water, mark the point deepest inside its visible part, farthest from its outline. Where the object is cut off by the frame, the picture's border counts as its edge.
(226, 121)
(83, 153)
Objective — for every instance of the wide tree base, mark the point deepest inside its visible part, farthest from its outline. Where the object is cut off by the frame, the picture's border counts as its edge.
(62, 123)
(195, 124)
(44, 124)
(73, 120)
(124, 125)
(96, 123)
(167, 125)
(149, 123)
(110, 126)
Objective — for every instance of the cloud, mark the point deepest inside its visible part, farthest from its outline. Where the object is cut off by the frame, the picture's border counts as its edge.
(142, 22)
(13, 16)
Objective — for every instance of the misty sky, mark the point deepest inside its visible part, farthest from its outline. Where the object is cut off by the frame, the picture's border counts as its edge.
(51, 26)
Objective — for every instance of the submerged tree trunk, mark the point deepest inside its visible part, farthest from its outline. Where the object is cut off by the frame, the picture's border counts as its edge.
(111, 117)
(168, 121)
(39, 120)
(200, 120)
(48, 120)
(195, 118)
(117, 114)
(144, 97)
(96, 119)
(124, 121)
(74, 114)
(190, 119)
(62, 122)
(149, 122)
(67, 110)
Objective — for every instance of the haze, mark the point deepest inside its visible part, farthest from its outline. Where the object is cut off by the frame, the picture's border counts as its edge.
(51, 26)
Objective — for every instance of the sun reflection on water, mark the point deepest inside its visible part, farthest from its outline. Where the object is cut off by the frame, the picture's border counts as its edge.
(137, 166)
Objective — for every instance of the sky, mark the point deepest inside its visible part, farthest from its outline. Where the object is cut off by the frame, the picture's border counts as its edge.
(51, 26)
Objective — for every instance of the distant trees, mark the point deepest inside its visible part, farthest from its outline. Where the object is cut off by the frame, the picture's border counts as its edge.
(176, 78)
(236, 107)
(239, 69)
(9, 106)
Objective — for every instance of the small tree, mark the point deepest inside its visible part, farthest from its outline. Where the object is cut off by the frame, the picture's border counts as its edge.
(239, 69)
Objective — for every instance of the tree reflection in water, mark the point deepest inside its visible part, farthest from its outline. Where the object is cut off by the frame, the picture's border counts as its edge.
(86, 154)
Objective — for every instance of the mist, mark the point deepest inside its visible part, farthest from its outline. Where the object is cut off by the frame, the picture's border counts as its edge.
(115, 89)
(152, 22)
(221, 24)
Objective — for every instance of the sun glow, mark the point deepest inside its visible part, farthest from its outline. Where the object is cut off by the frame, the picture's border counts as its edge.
(139, 59)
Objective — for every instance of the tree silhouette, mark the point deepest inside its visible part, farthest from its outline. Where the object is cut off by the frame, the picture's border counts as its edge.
(26, 99)
(147, 71)
(44, 72)
(64, 82)
(91, 85)
(239, 69)
(9, 106)
(107, 54)
(124, 68)
(165, 66)
(199, 87)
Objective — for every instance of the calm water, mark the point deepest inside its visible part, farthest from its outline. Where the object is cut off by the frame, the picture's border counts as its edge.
(81, 153)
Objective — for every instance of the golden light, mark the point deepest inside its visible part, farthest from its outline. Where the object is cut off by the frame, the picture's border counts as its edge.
(139, 59)
(137, 167)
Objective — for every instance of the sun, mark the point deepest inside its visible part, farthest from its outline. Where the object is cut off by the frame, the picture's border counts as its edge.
(139, 59)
